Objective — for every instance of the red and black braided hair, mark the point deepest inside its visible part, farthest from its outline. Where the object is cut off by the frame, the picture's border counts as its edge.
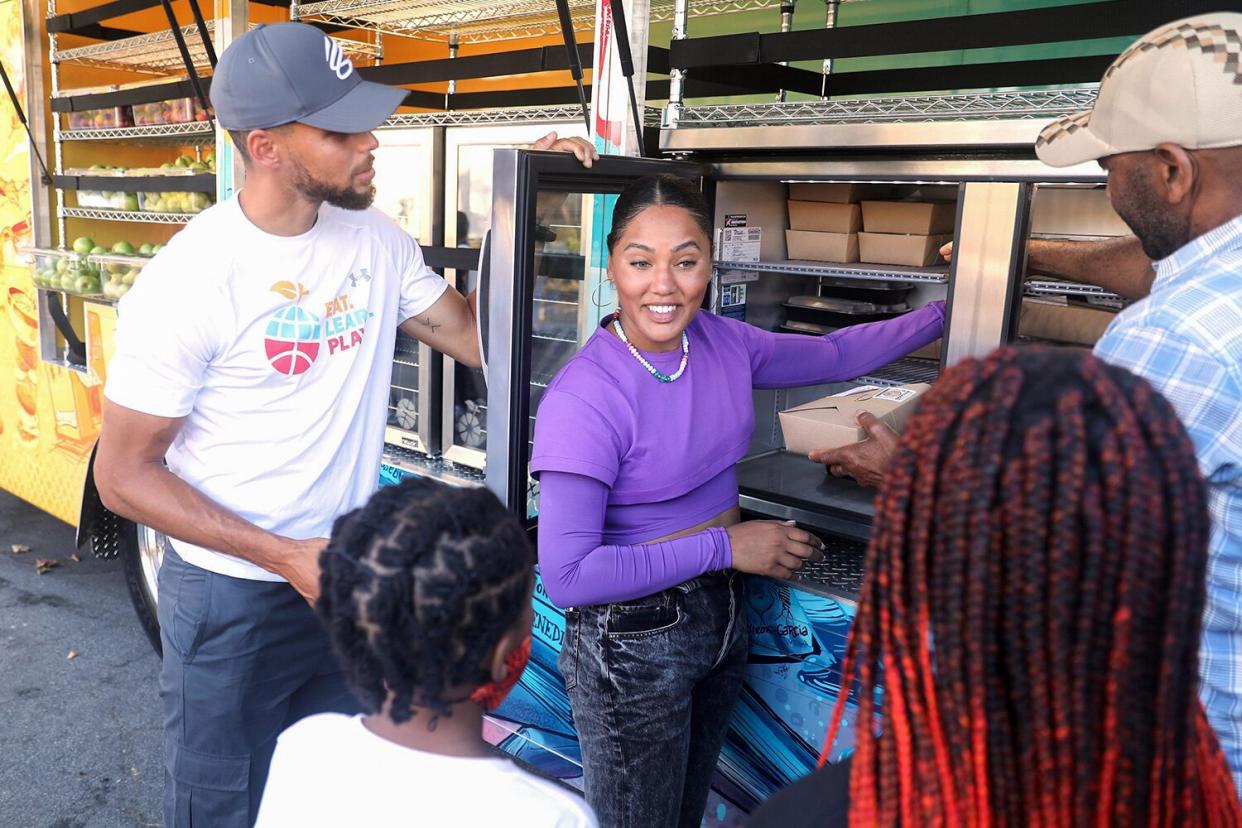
(1034, 588)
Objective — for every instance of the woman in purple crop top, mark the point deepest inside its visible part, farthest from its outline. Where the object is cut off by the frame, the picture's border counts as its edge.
(636, 441)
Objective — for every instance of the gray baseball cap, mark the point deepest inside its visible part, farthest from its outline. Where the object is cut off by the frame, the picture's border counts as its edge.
(285, 72)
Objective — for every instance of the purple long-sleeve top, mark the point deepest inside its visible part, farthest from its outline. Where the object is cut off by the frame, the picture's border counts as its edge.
(623, 459)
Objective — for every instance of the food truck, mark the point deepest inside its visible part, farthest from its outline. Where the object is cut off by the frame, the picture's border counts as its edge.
(839, 144)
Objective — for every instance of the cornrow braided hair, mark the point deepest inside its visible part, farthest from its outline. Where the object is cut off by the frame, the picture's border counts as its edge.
(417, 587)
(1034, 590)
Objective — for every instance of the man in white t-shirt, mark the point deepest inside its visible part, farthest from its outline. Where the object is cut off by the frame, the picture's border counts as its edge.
(246, 405)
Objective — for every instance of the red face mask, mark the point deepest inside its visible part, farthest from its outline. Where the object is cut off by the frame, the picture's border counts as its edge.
(490, 695)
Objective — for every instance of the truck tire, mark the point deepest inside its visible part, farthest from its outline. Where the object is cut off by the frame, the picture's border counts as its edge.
(141, 551)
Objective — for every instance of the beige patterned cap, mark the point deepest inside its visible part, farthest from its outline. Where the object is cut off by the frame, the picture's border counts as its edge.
(1180, 84)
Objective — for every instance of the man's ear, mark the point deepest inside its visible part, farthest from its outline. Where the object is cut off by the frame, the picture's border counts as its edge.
(1176, 171)
(266, 147)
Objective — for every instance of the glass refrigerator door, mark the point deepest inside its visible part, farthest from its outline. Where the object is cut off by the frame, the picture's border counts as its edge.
(545, 290)
(405, 191)
(468, 205)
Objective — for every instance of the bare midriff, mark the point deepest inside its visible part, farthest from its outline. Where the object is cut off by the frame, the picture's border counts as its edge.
(723, 520)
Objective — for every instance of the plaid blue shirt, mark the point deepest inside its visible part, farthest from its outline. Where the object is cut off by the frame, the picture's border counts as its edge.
(1186, 340)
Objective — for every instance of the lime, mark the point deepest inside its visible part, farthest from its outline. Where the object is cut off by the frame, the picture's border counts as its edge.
(123, 248)
(82, 245)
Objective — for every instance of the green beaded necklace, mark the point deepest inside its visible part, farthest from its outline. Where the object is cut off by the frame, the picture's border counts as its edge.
(654, 371)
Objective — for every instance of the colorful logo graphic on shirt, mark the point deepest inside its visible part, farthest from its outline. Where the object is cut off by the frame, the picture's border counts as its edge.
(295, 336)
(292, 342)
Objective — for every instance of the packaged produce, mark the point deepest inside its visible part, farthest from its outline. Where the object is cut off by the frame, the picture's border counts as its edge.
(66, 270)
(177, 202)
(110, 118)
(178, 111)
(118, 271)
(108, 200)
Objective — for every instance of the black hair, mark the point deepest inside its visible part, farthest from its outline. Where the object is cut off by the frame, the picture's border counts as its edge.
(416, 589)
(239, 137)
(657, 191)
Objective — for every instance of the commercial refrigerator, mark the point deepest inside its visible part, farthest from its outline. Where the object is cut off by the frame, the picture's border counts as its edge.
(467, 217)
(798, 628)
(407, 170)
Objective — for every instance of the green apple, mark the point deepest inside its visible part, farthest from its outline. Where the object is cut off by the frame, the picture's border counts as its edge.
(86, 284)
(98, 249)
(130, 204)
(123, 248)
(130, 277)
(67, 281)
(146, 249)
(82, 245)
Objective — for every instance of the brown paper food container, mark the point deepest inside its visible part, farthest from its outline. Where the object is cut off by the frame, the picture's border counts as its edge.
(831, 422)
(922, 218)
(1071, 324)
(824, 217)
(822, 247)
(898, 249)
(839, 192)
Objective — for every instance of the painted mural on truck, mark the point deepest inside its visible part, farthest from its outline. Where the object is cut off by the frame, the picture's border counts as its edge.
(49, 414)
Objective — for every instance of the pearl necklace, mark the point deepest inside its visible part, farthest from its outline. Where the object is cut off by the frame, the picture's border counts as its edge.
(655, 372)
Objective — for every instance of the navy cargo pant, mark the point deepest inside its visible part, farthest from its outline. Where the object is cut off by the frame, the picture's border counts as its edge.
(243, 660)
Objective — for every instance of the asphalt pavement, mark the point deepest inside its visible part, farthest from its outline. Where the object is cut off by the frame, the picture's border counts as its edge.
(80, 738)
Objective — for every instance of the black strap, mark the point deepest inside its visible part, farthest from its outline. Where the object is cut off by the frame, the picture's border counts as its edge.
(185, 53)
(77, 351)
(575, 63)
(202, 34)
(21, 116)
(626, 57)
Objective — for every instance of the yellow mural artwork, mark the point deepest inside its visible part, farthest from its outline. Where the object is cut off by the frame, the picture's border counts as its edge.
(49, 414)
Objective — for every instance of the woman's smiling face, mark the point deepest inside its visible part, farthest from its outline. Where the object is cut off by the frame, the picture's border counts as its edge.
(661, 266)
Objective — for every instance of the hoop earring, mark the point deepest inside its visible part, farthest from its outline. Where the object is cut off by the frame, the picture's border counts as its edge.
(597, 294)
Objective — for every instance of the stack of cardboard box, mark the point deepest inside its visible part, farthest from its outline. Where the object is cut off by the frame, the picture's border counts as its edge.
(905, 232)
(824, 220)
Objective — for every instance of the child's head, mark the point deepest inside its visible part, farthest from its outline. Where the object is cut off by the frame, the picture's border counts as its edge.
(425, 591)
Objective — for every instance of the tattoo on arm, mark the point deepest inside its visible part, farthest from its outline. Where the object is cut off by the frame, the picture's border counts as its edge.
(427, 321)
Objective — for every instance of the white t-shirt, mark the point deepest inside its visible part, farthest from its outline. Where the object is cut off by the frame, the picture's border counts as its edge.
(329, 770)
(278, 351)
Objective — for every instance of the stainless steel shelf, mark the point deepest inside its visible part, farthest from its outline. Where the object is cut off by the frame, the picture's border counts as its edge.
(485, 117)
(856, 270)
(193, 129)
(121, 215)
(904, 371)
(157, 52)
(1056, 287)
(472, 21)
(984, 105)
(424, 465)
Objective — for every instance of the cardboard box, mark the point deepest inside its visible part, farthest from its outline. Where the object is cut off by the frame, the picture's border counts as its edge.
(1074, 212)
(920, 218)
(930, 351)
(822, 247)
(838, 193)
(892, 248)
(831, 422)
(825, 217)
(1071, 324)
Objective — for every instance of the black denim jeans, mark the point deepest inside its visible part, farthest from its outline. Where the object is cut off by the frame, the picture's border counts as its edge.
(652, 683)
